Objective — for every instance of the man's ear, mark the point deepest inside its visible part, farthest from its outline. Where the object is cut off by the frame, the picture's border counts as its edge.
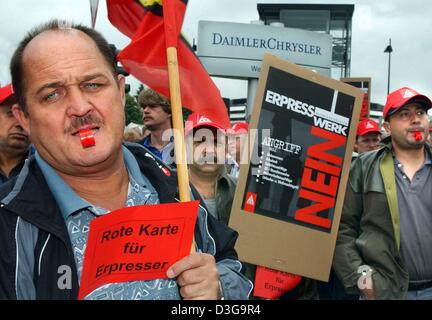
(22, 117)
(121, 84)
(386, 126)
(355, 146)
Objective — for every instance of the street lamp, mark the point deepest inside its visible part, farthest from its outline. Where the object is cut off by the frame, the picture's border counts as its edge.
(389, 50)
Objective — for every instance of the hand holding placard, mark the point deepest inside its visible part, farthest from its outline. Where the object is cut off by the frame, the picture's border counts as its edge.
(198, 277)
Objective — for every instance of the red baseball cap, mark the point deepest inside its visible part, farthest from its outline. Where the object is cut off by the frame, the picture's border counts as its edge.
(366, 126)
(403, 96)
(6, 92)
(196, 120)
(239, 127)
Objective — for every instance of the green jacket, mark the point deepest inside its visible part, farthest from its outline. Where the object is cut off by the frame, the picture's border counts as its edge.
(224, 195)
(369, 232)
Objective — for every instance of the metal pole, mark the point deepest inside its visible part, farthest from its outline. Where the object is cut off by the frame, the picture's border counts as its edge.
(388, 79)
(94, 4)
(389, 50)
(252, 86)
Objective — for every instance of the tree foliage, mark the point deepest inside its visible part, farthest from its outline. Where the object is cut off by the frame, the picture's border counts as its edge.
(132, 110)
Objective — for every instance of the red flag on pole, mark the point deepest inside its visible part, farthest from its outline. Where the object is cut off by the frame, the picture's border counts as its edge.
(145, 57)
(173, 14)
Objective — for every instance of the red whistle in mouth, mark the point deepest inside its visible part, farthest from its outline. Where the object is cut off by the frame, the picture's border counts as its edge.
(418, 136)
(87, 138)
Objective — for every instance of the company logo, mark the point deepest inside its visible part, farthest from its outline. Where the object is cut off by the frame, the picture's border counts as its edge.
(369, 125)
(265, 43)
(250, 203)
(203, 120)
(408, 94)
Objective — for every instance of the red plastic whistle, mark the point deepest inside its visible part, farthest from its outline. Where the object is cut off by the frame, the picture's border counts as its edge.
(418, 135)
(87, 138)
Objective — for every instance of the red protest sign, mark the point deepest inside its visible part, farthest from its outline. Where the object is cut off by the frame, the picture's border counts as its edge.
(137, 243)
(271, 284)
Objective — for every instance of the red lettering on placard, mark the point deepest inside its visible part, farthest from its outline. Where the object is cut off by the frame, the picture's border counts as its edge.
(322, 166)
(319, 184)
(318, 150)
(308, 214)
(320, 177)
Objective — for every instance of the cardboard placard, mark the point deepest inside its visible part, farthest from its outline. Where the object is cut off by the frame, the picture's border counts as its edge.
(363, 84)
(289, 196)
(137, 243)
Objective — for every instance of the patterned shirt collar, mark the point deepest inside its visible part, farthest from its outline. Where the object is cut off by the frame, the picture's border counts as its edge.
(68, 200)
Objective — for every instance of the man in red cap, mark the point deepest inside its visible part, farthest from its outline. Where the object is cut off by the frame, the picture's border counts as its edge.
(368, 136)
(206, 142)
(14, 142)
(383, 250)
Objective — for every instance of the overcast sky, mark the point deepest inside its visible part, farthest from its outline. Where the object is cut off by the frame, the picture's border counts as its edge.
(407, 23)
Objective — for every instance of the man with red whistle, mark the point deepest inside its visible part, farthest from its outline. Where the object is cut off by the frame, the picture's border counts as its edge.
(383, 250)
(71, 102)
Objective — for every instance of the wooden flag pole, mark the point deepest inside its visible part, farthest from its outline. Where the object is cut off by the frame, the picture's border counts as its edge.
(178, 128)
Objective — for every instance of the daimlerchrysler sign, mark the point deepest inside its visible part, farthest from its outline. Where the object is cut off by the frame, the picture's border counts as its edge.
(237, 49)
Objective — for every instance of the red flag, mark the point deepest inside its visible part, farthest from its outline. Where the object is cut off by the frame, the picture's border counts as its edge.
(125, 15)
(173, 14)
(145, 57)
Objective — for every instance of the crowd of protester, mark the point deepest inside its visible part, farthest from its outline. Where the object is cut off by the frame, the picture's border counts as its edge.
(66, 158)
